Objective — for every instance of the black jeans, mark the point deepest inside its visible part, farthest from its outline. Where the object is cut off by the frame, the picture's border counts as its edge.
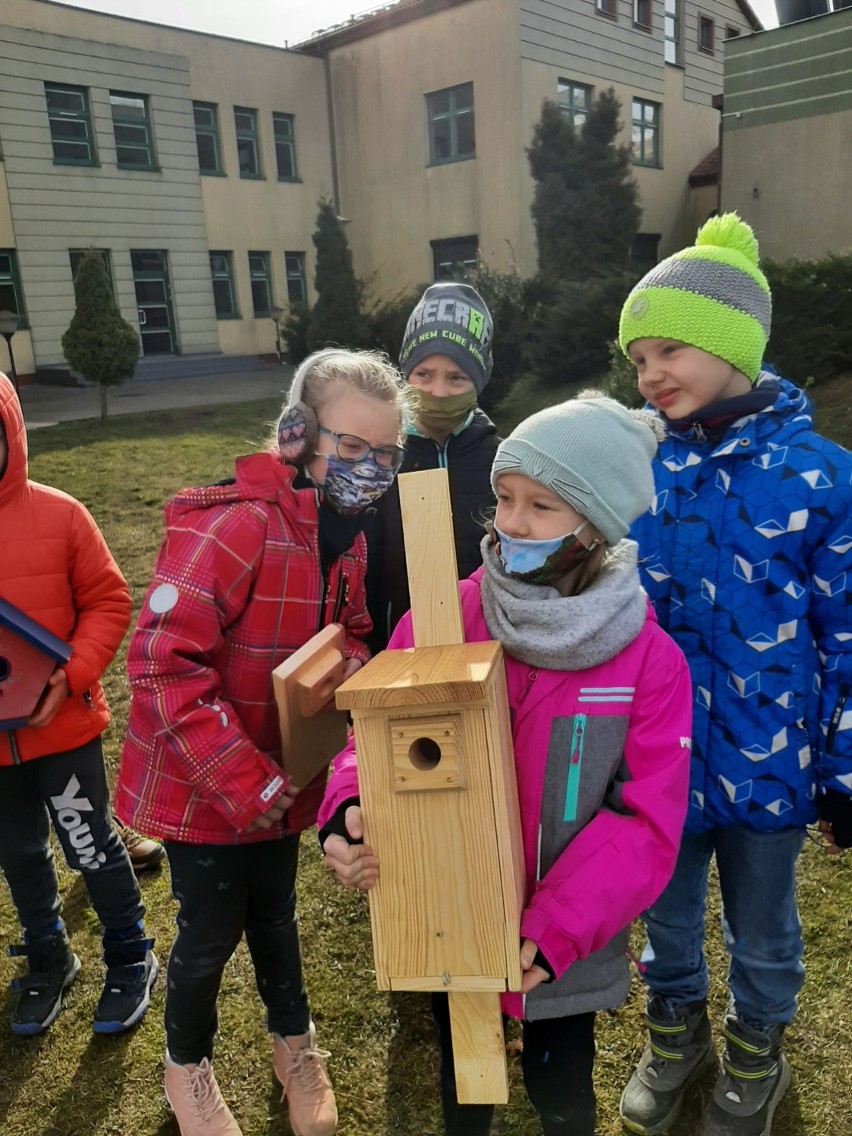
(558, 1059)
(225, 890)
(70, 789)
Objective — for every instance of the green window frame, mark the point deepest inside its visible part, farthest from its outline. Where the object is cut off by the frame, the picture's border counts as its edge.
(224, 292)
(261, 283)
(452, 128)
(131, 125)
(11, 292)
(283, 126)
(575, 100)
(70, 120)
(672, 24)
(297, 280)
(645, 133)
(248, 142)
(207, 142)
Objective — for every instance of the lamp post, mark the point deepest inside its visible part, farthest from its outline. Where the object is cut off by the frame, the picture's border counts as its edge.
(8, 327)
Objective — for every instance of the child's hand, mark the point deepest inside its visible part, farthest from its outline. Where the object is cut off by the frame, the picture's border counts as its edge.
(355, 865)
(350, 666)
(533, 974)
(277, 810)
(50, 702)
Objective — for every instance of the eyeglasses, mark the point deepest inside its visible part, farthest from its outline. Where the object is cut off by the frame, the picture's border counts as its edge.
(351, 448)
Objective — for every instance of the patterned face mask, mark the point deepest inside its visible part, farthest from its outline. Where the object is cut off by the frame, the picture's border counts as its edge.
(543, 561)
(350, 487)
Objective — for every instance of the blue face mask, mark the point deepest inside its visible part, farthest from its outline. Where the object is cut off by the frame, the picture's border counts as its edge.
(542, 561)
(351, 487)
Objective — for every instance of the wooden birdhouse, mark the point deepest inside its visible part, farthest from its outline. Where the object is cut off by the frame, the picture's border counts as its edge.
(29, 654)
(439, 801)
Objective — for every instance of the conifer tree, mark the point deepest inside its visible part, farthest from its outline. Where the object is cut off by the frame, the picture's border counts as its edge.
(99, 344)
(585, 206)
(336, 317)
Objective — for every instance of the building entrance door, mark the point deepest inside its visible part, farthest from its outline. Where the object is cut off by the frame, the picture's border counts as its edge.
(154, 301)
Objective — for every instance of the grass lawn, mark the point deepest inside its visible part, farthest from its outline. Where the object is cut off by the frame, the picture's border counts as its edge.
(71, 1083)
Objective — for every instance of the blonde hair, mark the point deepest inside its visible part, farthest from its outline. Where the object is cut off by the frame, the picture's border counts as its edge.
(370, 372)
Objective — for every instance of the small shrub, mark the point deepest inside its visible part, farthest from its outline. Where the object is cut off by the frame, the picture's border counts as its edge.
(811, 329)
(620, 382)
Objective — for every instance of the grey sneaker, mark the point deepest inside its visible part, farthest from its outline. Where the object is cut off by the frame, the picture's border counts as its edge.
(678, 1052)
(755, 1075)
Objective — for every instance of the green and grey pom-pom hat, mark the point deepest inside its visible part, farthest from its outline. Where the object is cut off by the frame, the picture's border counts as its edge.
(712, 295)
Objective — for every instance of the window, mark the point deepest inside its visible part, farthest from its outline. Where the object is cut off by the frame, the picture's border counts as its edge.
(261, 284)
(222, 271)
(131, 123)
(70, 125)
(643, 251)
(606, 8)
(574, 101)
(671, 31)
(285, 146)
(451, 132)
(76, 255)
(452, 258)
(207, 138)
(11, 295)
(248, 152)
(706, 31)
(645, 133)
(297, 283)
(642, 14)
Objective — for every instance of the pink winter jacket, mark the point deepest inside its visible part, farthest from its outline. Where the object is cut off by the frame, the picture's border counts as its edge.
(602, 760)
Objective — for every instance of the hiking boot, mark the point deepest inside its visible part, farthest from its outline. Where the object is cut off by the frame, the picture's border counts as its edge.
(52, 967)
(144, 853)
(131, 970)
(196, 1100)
(300, 1069)
(755, 1075)
(678, 1052)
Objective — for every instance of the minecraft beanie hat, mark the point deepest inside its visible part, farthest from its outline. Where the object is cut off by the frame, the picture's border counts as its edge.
(712, 295)
(592, 452)
(453, 320)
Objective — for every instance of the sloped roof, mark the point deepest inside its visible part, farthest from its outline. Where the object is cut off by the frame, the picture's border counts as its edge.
(708, 169)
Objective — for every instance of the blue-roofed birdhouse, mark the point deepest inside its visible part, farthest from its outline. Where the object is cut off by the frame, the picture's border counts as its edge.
(28, 657)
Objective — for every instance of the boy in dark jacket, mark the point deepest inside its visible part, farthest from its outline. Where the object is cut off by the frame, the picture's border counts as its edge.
(446, 358)
(746, 554)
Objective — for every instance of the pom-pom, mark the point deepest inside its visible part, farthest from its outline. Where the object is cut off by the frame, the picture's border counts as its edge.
(730, 231)
(652, 420)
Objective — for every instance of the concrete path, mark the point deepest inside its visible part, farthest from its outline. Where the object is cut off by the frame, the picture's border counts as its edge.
(48, 405)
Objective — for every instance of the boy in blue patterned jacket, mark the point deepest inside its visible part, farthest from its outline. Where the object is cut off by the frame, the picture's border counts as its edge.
(745, 555)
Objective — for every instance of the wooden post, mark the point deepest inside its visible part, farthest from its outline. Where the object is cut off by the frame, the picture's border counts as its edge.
(440, 804)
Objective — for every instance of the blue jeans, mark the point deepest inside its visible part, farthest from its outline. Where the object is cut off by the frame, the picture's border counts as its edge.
(760, 923)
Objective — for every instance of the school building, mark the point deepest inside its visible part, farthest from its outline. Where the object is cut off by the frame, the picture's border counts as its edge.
(194, 163)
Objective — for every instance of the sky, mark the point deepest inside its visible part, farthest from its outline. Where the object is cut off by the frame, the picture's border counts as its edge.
(269, 21)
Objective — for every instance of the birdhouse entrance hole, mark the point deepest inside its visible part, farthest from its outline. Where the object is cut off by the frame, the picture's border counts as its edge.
(5, 669)
(426, 753)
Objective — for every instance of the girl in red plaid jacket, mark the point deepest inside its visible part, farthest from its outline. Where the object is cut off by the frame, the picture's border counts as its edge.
(249, 571)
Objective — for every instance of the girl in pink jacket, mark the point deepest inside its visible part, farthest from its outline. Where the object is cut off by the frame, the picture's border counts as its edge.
(601, 717)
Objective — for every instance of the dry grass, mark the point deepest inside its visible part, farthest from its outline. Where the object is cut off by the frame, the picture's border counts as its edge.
(70, 1083)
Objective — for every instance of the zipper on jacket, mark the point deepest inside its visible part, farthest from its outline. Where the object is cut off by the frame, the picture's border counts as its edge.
(342, 597)
(13, 745)
(531, 677)
(834, 723)
(575, 762)
(326, 588)
(87, 698)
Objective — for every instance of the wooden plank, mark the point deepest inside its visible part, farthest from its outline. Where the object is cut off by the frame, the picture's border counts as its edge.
(479, 1048)
(430, 552)
(303, 685)
(460, 674)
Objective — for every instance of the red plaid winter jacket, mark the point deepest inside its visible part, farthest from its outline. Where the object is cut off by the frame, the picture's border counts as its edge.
(237, 588)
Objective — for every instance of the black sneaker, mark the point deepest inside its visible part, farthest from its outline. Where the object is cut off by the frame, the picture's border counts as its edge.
(53, 966)
(131, 971)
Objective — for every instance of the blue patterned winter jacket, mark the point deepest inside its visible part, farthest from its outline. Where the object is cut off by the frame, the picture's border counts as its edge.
(746, 553)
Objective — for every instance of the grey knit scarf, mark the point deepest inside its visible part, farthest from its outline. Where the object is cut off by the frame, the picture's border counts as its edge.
(565, 633)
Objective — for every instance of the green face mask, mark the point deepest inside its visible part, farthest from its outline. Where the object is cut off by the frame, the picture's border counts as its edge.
(441, 415)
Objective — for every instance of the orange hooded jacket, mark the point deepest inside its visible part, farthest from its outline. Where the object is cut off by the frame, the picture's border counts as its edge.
(55, 566)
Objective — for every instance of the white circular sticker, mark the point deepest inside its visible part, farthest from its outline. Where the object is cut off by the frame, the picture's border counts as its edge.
(163, 598)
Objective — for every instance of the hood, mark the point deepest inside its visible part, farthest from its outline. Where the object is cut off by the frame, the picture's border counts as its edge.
(257, 477)
(14, 477)
(791, 406)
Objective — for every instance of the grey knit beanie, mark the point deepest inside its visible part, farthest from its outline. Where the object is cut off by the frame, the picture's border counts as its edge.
(453, 320)
(592, 452)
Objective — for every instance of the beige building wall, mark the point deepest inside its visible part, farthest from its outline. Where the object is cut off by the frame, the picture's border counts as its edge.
(234, 214)
(22, 345)
(396, 202)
